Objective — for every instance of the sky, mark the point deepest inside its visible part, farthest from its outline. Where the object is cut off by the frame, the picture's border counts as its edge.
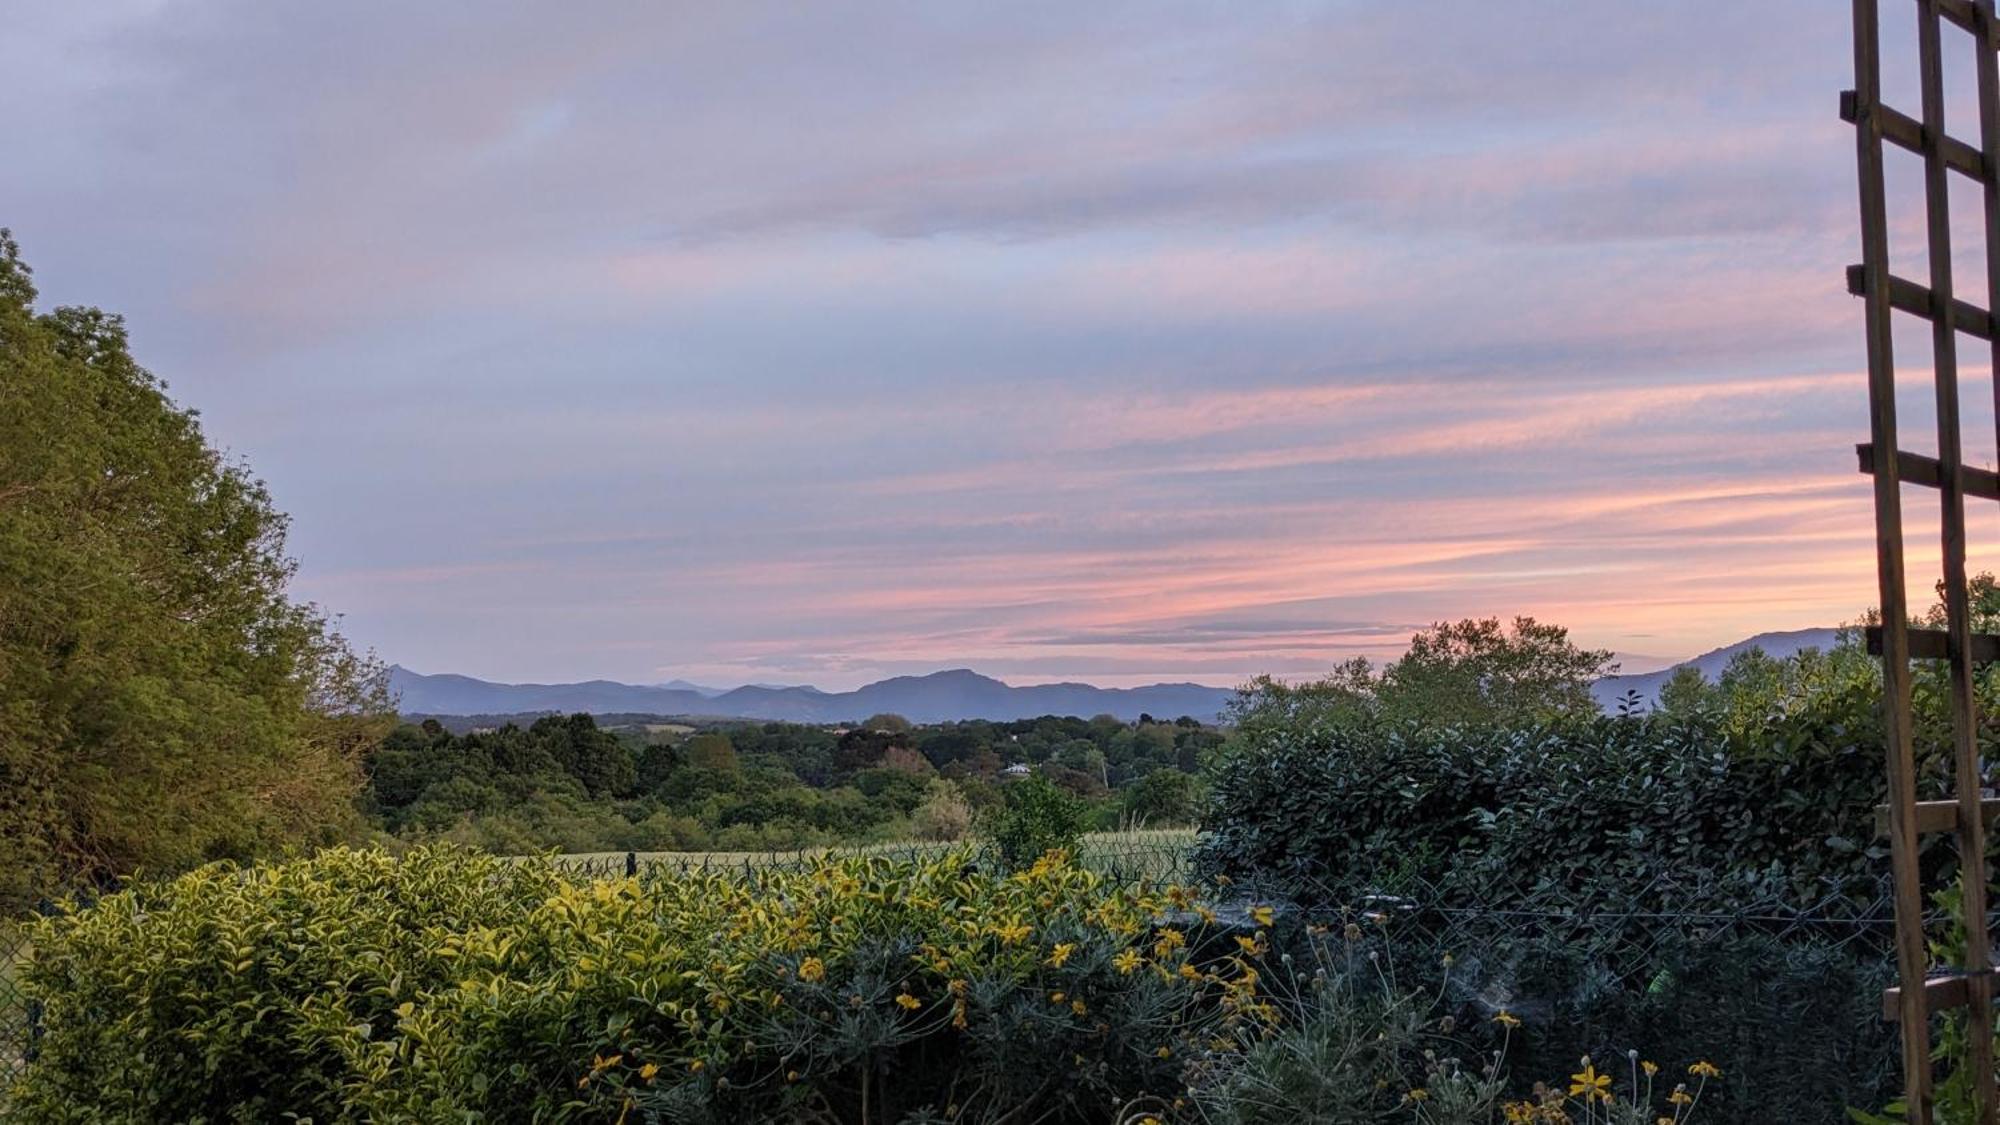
(820, 343)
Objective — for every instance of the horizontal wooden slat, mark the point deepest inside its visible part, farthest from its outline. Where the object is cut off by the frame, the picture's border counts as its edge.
(1907, 132)
(1940, 993)
(1935, 644)
(1966, 15)
(1934, 817)
(1915, 468)
(1907, 296)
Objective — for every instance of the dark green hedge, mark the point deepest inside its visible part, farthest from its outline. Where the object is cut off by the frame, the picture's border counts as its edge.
(1604, 808)
(1625, 881)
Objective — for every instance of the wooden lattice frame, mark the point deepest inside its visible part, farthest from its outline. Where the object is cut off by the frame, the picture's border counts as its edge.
(1922, 992)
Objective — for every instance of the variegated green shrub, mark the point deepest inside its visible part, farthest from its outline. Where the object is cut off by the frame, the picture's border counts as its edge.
(446, 986)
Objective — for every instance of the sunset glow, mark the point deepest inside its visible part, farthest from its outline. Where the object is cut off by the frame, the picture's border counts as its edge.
(797, 344)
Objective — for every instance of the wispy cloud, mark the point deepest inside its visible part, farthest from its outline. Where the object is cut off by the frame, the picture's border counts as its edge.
(762, 342)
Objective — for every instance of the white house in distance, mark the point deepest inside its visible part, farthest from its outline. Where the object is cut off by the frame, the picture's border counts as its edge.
(1018, 769)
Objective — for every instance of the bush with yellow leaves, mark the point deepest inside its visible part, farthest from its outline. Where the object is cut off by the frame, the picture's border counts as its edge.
(450, 986)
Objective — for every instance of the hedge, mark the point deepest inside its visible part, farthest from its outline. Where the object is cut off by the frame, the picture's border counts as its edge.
(450, 986)
(1622, 880)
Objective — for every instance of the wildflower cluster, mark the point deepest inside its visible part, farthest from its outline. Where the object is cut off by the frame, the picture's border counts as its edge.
(1592, 1097)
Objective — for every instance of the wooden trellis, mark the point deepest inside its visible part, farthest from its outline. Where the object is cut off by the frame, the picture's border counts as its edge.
(1922, 991)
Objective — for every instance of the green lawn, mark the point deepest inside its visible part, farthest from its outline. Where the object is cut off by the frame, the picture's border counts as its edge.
(1152, 852)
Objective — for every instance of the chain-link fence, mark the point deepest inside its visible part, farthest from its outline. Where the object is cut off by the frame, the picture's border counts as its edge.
(1779, 988)
(17, 1012)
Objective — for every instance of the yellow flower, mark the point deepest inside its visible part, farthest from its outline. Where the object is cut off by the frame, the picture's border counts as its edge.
(1165, 1052)
(1651, 1068)
(1060, 954)
(1249, 945)
(1705, 1069)
(1078, 1006)
(695, 1066)
(1679, 1097)
(1262, 915)
(1057, 997)
(812, 969)
(649, 1070)
(1189, 972)
(1509, 1021)
(601, 1063)
(1126, 962)
(1590, 1086)
(1417, 1095)
(1013, 932)
(909, 1002)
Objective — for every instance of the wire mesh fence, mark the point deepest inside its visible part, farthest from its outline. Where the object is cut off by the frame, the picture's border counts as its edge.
(18, 1014)
(1779, 986)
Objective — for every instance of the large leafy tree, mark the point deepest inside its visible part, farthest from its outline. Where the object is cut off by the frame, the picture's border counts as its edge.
(162, 700)
(1475, 672)
(1478, 671)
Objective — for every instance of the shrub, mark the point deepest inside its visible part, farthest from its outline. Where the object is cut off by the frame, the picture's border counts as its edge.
(1611, 856)
(1605, 809)
(944, 815)
(234, 994)
(450, 987)
(1038, 818)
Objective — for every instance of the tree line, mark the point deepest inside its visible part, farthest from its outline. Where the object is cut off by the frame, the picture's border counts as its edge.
(567, 782)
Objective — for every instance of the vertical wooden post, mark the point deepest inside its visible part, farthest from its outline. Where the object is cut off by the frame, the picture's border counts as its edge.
(1910, 957)
(1987, 72)
(1958, 623)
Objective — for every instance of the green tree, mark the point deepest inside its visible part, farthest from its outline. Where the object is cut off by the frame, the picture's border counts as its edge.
(1038, 817)
(162, 700)
(1163, 797)
(711, 751)
(1478, 672)
(1344, 699)
(1686, 694)
(944, 816)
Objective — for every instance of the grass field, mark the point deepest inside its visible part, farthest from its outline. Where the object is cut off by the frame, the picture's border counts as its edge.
(1157, 853)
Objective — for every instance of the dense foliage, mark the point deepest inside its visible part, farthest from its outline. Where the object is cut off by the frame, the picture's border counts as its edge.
(1752, 797)
(162, 701)
(449, 986)
(1769, 778)
(1471, 673)
(567, 783)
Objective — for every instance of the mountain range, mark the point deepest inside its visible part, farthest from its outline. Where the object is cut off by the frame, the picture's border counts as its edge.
(938, 697)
